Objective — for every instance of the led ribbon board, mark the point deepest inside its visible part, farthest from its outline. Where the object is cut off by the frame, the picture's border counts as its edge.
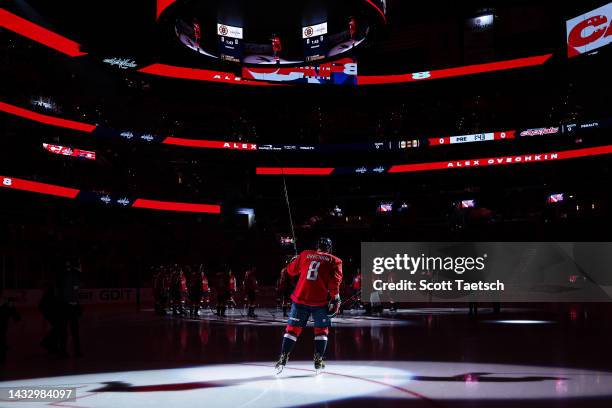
(173, 71)
(454, 72)
(39, 34)
(295, 171)
(528, 158)
(134, 136)
(36, 187)
(108, 199)
(196, 74)
(69, 151)
(503, 160)
(127, 135)
(46, 119)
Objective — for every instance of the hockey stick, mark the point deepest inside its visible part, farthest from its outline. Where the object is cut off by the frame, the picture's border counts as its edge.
(288, 203)
(355, 296)
(289, 211)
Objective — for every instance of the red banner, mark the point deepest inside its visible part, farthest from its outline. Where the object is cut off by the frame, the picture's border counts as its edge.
(454, 72)
(294, 171)
(39, 34)
(181, 207)
(46, 119)
(69, 151)
(36, 187)
(210, 144)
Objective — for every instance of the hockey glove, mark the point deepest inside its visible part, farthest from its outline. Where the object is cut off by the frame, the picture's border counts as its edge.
(334, 306)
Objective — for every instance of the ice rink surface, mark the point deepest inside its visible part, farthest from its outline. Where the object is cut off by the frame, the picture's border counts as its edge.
(422, 357)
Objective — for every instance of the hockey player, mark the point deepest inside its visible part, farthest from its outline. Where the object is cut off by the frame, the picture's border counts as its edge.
(353, 28)
(356, 287)
(277, 47)
(250, 290)
(316, 295)
(233, 287)
(198, 284)
(160, 291)
(197, 32)
(223, 290)
(205, 288)
(284, 289)
(179, 291)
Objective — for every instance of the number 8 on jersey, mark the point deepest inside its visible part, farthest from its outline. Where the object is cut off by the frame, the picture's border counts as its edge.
(313, 270)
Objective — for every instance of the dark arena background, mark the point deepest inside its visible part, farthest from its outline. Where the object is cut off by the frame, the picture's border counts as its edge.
(163, 160)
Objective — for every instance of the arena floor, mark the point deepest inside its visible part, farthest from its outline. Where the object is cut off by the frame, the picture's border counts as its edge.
(430, 357)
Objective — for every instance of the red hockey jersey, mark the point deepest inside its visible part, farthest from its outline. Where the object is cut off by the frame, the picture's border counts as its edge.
(357, 282)
(320, 275)
(205, 287)
(250, 281)
(232, 283)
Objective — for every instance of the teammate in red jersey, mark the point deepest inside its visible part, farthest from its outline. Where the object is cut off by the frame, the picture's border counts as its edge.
(317, 294)
(277, 47)
(250, 290)
(198, 290)
(178, 291)
(197, 32)
(284, 290)
(353, 28)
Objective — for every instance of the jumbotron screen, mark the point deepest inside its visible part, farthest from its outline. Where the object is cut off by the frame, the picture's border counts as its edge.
(589, 31)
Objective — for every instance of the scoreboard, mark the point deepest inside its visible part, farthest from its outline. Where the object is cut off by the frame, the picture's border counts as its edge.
(315, 41)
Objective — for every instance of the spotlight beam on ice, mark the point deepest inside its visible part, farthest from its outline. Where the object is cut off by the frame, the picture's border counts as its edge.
(517, 321)
(391, 383)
